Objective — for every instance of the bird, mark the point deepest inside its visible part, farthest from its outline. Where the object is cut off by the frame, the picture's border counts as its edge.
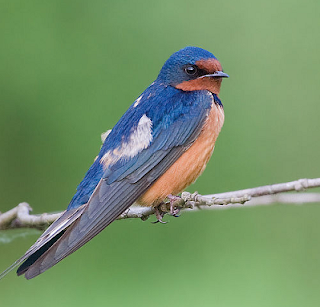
(159, 146)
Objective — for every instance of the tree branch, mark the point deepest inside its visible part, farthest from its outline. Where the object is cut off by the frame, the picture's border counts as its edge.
(20, 216)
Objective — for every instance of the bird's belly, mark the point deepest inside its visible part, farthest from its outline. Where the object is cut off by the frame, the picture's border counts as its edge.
(190, 165)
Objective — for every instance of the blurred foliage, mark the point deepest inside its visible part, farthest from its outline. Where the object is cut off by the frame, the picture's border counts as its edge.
(69, 69)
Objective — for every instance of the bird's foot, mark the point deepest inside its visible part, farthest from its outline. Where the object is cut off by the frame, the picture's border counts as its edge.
(161, 209)
(174, 200)
(159, 214)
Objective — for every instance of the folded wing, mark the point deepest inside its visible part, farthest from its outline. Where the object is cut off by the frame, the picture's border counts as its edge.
(123, 182)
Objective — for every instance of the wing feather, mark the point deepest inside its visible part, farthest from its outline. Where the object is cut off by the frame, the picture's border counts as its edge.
(105, 205)
(124, 181)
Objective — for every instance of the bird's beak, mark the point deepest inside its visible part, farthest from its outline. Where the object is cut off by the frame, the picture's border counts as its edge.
(217, 74)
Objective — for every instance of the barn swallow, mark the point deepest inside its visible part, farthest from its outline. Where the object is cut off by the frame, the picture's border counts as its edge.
(158, 147)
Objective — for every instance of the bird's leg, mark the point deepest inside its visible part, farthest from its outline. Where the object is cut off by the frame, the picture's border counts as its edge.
(174, 200)
(159, 214)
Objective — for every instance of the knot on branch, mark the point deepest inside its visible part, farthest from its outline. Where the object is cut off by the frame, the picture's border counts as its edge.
(301, 185)
(198, 200)
(20, 217)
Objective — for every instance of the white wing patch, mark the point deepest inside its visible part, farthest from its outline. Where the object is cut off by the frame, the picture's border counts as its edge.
(104, 135)
(140, 139)
(137, 101)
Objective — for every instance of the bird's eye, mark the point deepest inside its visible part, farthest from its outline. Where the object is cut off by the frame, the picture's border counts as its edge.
(191, 70)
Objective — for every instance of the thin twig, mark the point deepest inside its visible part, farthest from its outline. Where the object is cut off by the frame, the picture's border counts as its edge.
(20, 216)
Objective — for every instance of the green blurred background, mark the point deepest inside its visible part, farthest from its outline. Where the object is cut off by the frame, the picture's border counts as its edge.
(69, 70)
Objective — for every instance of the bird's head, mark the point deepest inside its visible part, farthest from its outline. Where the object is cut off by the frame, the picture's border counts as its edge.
(193, 69)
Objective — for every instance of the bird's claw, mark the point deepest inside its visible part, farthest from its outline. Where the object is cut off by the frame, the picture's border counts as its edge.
(174, 211)
(159, 215)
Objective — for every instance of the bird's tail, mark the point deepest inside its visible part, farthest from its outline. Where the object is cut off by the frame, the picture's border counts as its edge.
(47, 239)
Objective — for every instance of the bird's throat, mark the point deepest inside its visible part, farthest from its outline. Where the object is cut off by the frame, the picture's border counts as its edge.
(206, 83)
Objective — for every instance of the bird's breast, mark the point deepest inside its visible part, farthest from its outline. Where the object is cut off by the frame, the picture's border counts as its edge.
(190, 165)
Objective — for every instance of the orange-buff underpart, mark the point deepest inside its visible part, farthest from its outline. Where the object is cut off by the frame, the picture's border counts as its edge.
(190, 165)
